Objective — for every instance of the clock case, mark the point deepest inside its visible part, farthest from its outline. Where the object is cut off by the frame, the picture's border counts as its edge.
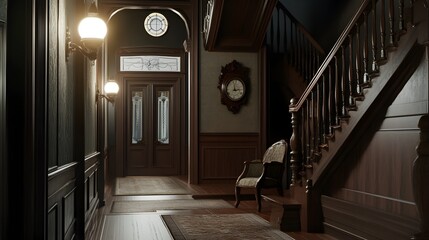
(229, 72)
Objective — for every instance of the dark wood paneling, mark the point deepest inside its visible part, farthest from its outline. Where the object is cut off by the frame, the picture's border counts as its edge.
(371, 192)
(53, 223)
(346, 220)
(61, 199)
(378, 172)
(69, 219)
(52, 89)
(91, 196)
(377, 175)
(222, 154)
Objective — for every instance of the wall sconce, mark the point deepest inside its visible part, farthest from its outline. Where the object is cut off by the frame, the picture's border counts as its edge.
(111, 89)
(92, 31)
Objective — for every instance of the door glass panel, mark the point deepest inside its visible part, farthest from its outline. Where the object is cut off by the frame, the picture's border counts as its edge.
(137, 117)
(163, 117)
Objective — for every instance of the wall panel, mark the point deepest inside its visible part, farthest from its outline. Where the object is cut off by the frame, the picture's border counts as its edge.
(61, 202)
(91, 196)
(53, 222)
(222, 155)
(376, 176)
(68, 213)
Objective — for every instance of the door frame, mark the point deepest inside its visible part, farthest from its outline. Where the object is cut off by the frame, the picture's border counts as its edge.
(189, 13)
(120, 111)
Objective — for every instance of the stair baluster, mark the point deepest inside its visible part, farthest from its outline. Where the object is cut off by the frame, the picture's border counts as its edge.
(392, 41)
(401, 17)
(351, 83)
(383, 55)
(366, 79)
(324, 120)
(295, 144)
(375, 67)
(359, 78)
(337, 95)
(343, 87)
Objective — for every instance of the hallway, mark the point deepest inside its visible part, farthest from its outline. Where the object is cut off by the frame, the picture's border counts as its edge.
(142, 216)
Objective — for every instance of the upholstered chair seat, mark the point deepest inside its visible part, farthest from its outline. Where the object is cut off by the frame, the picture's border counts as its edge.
(265, 173)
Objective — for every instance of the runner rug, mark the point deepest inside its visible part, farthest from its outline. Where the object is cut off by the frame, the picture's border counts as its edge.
(148, 185)
(222, 226)
(180, 204)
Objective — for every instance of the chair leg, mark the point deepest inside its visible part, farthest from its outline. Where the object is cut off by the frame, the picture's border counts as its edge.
(237, 196)
(258, 198)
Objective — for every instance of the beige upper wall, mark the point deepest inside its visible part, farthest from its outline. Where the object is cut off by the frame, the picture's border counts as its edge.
(214, 116)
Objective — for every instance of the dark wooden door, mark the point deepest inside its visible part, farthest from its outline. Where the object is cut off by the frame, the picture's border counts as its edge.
(152, 119)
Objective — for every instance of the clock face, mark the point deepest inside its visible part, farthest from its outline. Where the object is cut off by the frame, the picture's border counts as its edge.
(235, 89)
(156, 24)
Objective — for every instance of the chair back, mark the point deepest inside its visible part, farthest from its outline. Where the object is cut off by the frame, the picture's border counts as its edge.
(276, 152)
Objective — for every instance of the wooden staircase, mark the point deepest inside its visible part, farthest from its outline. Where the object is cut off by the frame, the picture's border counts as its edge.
(347, 95)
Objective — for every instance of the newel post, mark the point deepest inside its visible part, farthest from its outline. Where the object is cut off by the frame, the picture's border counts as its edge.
(421, 180)
(295, 162)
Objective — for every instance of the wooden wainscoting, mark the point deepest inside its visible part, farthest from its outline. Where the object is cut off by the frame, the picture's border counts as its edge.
(61, 202)
(374, 183)
(348, 220)
(221, 155)
(91, 193)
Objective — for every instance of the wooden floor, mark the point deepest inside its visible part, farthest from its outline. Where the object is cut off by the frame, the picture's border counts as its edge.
(116, 225)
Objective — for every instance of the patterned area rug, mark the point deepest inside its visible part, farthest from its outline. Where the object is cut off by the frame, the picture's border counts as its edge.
(147, 185)
(222, 226)
(152, 205)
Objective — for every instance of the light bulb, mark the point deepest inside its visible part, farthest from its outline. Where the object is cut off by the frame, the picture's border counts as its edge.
(92, 28)
(111, 88)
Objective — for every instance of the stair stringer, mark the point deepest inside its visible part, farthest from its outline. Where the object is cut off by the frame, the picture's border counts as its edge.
(401, 64)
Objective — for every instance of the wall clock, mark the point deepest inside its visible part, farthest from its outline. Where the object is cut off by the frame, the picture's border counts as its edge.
(234, 86)
(156, 24)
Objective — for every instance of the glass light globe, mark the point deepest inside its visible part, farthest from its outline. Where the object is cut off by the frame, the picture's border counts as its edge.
(111, 88)
(92, 28)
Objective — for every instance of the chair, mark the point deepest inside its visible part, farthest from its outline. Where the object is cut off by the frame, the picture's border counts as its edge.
(267, 173)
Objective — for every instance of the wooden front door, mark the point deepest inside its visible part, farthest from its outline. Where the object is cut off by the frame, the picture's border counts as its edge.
(152, 125)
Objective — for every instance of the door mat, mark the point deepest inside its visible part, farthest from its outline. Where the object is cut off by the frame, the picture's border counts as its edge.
(149, 185)
(222, 226)
(154, 205)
